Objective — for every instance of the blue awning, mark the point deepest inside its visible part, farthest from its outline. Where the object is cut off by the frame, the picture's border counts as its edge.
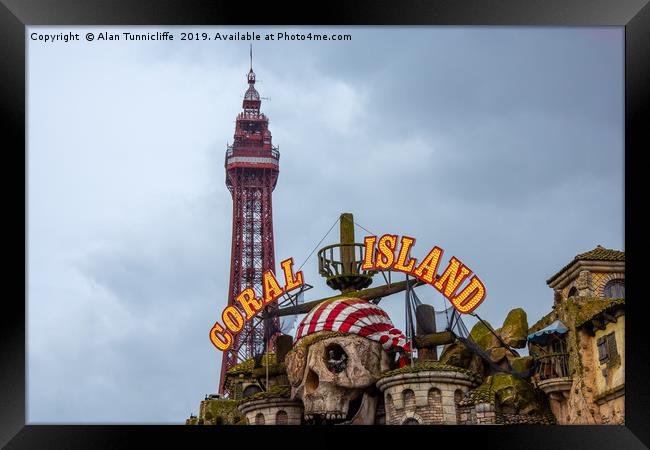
(542, 336)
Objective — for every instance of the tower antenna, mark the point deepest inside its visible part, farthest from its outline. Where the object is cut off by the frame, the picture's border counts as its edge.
(251, 56)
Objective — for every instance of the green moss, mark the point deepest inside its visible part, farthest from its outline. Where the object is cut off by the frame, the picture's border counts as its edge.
(282, 391)
(515, 328)
(246, 366)
(522, 364)
(482, 335)
(587, 308)
(516, 393)
(543, 322)
(457, 355)
(546, 418)
(219, 411)
(421, 366)
(274, 369)
(482, 394)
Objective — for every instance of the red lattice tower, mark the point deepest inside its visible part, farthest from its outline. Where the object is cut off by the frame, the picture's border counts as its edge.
(252, 168)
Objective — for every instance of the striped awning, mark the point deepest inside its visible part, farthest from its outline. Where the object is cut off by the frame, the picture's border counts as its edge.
(542, 336)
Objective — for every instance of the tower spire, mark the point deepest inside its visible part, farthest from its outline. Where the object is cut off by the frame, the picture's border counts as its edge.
(252, 168)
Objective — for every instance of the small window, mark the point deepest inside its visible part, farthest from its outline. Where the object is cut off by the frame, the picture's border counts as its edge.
(281, 418)
(615, 289)
(602, 349)
(411, 421)
(611, 345)
(573, 292)
(259, 419)
(607, 350)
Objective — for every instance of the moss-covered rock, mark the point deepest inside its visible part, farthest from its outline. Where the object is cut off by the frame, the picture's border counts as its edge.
(247, 366)
(522, 364)
(282, 391)
(483, 336)
(274, 370)
(457, 355)
(220, 412)
(515, 328)
(515, 395)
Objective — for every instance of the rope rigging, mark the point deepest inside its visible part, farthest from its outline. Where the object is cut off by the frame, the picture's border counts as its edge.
(452, 322)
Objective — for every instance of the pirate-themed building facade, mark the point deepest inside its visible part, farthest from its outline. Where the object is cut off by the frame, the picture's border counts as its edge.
(350, 365)
(580, 345)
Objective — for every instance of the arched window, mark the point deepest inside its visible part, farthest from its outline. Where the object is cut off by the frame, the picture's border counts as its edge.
(259, 419)
(409, 399)
(614, 289)
(573, 292)
(251, 390)
(281, 418)
(411, 421)
(388, 405)
(458, 397)
(434, 399)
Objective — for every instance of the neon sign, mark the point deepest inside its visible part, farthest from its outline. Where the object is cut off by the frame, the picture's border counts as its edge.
(383, 254)
(379, 254)
(234, 318)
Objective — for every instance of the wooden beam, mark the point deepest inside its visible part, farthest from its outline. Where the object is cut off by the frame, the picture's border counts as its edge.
(598, 323)
(365, 294)
(609, 318)
(434, 339)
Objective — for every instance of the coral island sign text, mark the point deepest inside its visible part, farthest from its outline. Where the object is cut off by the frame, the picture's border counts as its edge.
(383, 254)
(234, 317)
(379, 254)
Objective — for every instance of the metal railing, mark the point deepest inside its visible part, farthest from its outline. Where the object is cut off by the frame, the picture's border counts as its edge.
(554, 365)
(275, 152)
(330, 260)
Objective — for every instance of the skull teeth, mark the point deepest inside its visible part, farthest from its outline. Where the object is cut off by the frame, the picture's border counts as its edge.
(325, 415)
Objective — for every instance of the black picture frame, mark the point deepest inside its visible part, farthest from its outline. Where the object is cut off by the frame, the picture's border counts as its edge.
(15, 15)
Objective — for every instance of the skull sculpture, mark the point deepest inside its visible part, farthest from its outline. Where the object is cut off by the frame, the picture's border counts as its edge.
(335, 376)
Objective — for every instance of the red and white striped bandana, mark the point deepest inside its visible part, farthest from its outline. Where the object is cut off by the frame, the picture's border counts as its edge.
(352, 315)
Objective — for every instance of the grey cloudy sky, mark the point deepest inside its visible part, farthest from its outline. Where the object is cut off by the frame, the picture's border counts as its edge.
(503, 146)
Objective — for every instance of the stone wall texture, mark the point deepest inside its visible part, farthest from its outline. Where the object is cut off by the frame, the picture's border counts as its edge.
(430, 398)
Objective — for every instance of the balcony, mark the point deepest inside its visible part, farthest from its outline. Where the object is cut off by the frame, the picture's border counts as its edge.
(254, 151)
(253, 156)
(552, 373)
(341, 264)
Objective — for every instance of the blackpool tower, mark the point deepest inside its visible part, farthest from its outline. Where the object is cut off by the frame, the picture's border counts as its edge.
(252, 168)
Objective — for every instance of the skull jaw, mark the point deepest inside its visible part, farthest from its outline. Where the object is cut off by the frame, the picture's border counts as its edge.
(354, 408)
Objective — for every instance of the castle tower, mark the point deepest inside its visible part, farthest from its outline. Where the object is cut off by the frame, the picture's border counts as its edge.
(252, 168)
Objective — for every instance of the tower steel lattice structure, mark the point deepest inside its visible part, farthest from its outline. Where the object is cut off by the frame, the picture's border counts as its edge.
(252, 168)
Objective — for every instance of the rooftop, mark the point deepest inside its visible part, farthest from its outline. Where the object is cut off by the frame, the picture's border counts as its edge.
(599, 253)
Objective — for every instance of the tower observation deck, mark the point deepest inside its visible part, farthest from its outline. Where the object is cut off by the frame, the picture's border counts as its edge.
(252, 168)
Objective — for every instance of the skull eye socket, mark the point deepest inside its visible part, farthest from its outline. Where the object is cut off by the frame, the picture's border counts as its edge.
(311, 382)
(336, 358)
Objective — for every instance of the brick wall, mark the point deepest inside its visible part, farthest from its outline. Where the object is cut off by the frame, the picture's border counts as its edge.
(423, 396)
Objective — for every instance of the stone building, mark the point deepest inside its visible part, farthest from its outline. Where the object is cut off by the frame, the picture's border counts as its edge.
(580, 345)
(426, 394)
